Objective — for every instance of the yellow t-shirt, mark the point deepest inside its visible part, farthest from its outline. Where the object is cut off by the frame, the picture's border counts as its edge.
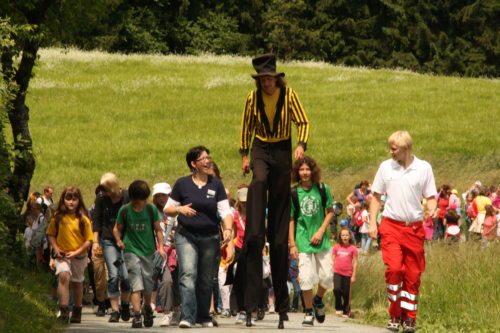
(270, 103)
(69, 238)
(481, 202)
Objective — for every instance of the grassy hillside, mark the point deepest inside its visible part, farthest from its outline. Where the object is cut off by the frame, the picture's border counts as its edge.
(137, 115)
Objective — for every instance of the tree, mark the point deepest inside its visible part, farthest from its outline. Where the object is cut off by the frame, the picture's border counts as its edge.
(21, 35)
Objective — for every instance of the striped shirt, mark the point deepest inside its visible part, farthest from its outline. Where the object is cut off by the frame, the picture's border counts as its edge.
(288, 110)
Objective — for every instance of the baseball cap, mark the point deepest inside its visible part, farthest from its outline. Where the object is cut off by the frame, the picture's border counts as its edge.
(161, 188)
(242, 194)
(344, 223)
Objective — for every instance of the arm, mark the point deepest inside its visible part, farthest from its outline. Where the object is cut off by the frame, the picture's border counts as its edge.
(117, 233)
(98, 222)
(159, 239)
(318, 235)
(299, 117)
(349, 198)
(173, 208)
(354, 269)
(291, 240)
(246, 133)
(55, 248)
(432, 205)
(374, 209)
(228, 236)
(79, 251)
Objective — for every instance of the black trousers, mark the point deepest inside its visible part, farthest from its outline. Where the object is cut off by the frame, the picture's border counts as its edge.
(270, 188)
(342, 292)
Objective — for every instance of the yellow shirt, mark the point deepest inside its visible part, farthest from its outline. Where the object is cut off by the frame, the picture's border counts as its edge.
(481, 202)
(70, 238)
(270, 103)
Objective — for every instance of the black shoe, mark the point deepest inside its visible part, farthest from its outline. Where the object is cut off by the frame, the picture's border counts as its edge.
(261, 313)
(114, 317)
(137, 320)
(64, 314)
(125, 311)
(101, 310)
(249, 319)
(147, 313)
(76, 315)
(319, 310)
(283, 318)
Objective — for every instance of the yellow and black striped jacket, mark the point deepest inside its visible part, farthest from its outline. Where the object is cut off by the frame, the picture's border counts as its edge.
(288, 110)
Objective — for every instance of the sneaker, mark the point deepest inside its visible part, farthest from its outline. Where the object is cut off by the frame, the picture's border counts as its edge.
(137, 320)
(125, 311)
(101, 310)
(176, 318)
(147, 313)
(409, 325)
(338, 313)
(308, 319)
(393, 325)
(241, 318)
(166, 319)
(185, 324)
(114, 317)
(347, 315)
(319, 310)
(208, 324)
(271, 308)
(225, 314)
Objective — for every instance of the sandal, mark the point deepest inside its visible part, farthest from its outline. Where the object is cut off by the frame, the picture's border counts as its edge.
(393, 325)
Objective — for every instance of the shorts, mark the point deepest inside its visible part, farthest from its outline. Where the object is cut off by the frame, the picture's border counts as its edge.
(315, 267)
(140, 272)
(74, 266)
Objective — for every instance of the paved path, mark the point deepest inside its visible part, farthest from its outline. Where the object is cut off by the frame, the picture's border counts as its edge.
(92, 324)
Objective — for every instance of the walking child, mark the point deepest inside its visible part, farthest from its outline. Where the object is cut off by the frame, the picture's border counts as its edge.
(308, 240)
(70, 235)
(134, 232)
(345, 263)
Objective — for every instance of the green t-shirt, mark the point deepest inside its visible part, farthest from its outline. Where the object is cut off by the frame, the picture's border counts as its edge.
(310, 218)
(139, 237)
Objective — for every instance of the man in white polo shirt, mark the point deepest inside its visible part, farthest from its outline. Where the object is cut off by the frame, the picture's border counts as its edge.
(406, 180)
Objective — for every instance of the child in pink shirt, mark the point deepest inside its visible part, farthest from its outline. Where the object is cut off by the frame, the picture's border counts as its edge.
(345, 262)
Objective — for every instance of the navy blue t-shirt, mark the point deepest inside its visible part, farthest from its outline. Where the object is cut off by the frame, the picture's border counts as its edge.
(204, 200)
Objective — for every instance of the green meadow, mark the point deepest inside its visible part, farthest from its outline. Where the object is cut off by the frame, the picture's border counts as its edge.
(137, 115)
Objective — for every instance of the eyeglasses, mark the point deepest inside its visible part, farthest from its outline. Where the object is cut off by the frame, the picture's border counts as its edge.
(71, 197)
(204, 158)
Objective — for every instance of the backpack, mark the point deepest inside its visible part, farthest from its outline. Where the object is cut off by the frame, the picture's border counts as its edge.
(123, 214)
(295, 199)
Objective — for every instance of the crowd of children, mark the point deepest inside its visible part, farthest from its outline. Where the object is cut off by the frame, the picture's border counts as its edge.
(128, 245)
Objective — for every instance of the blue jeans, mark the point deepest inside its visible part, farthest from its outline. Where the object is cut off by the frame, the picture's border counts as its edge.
(117, 271)
(366, 241)
(196, 255)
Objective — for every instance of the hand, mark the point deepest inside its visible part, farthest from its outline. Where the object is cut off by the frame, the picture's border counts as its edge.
(294, 253)
(317, 237)
(162, 253)
(52, 264)
(227, 236)
(96, 249)
(373, 230)
(230, 252)
(353, 279)
(299, 152)
(120, 244)
(245, 165)
(187, 210)
(58, 253)
(72, 254)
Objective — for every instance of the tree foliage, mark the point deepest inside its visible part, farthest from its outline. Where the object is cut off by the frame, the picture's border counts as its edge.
(443, 36)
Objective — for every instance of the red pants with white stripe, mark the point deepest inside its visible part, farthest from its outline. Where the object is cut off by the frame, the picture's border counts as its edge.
(402, 248)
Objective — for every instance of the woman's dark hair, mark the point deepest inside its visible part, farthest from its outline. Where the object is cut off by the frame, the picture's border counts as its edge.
(311, 163)
(216, 169)
(194, 153)
(280, 82)
(139, 190)
(445, 190)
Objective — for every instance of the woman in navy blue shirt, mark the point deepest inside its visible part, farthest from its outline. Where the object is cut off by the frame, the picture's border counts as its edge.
(200, 203)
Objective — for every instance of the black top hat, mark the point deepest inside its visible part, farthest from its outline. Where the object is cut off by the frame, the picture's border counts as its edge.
(265, 65)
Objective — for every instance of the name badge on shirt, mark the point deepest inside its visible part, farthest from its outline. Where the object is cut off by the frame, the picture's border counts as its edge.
(210, 194)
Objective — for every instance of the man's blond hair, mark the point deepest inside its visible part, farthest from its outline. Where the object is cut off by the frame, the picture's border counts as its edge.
(401, 139)
(110, 181)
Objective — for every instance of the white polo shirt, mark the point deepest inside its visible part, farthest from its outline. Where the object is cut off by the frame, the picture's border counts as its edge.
(405, 188)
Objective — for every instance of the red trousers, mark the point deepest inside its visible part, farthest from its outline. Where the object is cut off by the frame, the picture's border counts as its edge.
(402, 248)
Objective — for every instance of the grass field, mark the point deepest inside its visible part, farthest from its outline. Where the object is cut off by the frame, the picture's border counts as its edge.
(137, 116)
